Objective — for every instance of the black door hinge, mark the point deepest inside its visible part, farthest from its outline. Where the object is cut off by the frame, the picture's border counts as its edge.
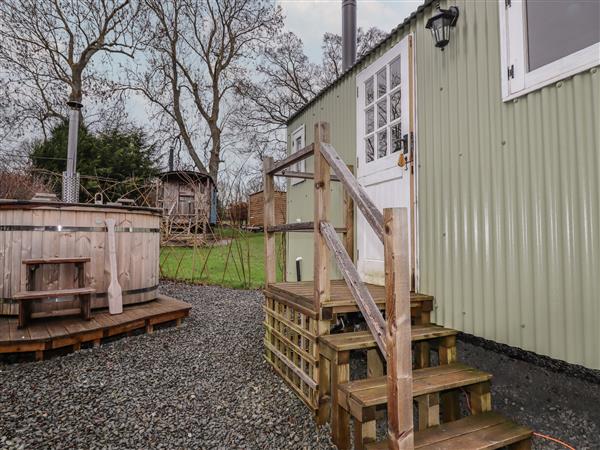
(507, 3)
(511, 71)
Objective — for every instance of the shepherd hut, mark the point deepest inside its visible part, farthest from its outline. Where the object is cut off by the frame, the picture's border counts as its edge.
(188, 200)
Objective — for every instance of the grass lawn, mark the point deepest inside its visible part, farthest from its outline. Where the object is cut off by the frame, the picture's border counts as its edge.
(238, 264)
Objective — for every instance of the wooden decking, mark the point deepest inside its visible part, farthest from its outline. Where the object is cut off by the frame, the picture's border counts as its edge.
(54, 333)
(299, 295)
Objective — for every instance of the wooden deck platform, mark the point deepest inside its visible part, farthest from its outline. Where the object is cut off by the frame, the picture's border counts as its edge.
(299, 295)
(55, 333)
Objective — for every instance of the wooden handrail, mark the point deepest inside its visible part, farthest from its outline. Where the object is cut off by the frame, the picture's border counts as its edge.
(301, 154)
(359, 290)
(297, 226)
(393, 337)
(302, 175)
(356, 191)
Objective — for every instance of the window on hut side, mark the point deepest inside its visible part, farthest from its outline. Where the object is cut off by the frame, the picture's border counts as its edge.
(547, 40)
(298, 143)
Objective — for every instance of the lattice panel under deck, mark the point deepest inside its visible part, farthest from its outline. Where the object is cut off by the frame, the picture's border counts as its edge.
(291, 349)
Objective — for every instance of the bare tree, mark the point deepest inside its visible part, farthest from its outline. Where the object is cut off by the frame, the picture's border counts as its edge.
(332, 51)
(198, 53)
(47, 51)
(284, 81)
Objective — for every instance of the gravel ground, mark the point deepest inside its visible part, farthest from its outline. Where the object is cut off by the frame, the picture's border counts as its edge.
(202, 386)
(551, 403)
(206, 386)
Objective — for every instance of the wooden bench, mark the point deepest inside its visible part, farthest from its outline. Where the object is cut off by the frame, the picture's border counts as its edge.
(30, 292)
(487, 431)
(361, 399)
(335, 351)
(25, 298)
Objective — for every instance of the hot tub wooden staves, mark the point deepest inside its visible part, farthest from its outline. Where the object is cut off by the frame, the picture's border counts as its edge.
(45, 230)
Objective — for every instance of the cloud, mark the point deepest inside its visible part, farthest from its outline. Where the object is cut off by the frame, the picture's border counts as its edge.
(310, 19)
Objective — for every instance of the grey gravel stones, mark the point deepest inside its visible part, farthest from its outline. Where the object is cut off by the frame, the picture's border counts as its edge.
(206, 386)
(202, 386)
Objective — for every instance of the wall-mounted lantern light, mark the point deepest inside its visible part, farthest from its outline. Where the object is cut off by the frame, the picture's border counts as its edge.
(440, 24)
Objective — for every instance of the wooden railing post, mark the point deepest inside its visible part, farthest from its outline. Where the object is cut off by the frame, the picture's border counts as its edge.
(398, 335)
(269, 220)
(322, 285)
(322, 201)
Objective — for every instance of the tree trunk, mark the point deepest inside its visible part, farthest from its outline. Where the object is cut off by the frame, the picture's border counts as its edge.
(215, 153)
(76, 92)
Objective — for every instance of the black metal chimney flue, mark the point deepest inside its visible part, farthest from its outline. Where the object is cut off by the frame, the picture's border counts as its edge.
(348, 33)
(171, 159)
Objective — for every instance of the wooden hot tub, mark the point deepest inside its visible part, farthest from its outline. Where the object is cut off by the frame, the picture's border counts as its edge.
(30, 229)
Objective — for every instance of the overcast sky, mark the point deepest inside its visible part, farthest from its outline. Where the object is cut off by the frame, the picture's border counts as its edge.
(310, 19)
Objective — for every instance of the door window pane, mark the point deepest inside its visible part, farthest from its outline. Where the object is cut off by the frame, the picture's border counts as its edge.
(556, 29)
(382, 144)
(381, 83)
(395, 105)
(395, 73)
(396, 138)
(381, 113)
(370, 148)
(370, 120)
(369, 91)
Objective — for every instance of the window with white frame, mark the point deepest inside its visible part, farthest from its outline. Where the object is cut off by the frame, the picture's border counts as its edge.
(298, 143)
(383, 130)
(544, 41)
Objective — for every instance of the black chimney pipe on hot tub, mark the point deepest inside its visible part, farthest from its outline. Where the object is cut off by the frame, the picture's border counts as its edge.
(348, 33)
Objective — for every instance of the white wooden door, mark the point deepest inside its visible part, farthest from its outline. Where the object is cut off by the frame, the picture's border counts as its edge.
(384, 125)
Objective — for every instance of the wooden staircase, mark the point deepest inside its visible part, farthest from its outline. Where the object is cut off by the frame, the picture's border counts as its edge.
(434, 390)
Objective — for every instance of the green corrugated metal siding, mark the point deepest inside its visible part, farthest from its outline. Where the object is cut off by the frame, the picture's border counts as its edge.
(509, 200)
(338, 108)
(508, 193)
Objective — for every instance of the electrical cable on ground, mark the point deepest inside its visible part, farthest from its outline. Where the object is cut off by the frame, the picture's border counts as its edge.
(540, 435)
(550, 438)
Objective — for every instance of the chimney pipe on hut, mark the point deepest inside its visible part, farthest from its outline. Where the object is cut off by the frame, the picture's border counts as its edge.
(348, 33)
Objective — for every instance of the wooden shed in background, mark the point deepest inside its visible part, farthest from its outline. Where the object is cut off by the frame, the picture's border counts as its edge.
(256, 208)
(188, 200)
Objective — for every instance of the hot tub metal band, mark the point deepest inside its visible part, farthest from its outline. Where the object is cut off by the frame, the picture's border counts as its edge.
(10, 301)
(69, 229)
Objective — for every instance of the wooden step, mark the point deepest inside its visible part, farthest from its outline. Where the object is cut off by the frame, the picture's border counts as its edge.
(361, 397)
(482, 431)
(36, 295)
(364, 339)
(74, 260)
